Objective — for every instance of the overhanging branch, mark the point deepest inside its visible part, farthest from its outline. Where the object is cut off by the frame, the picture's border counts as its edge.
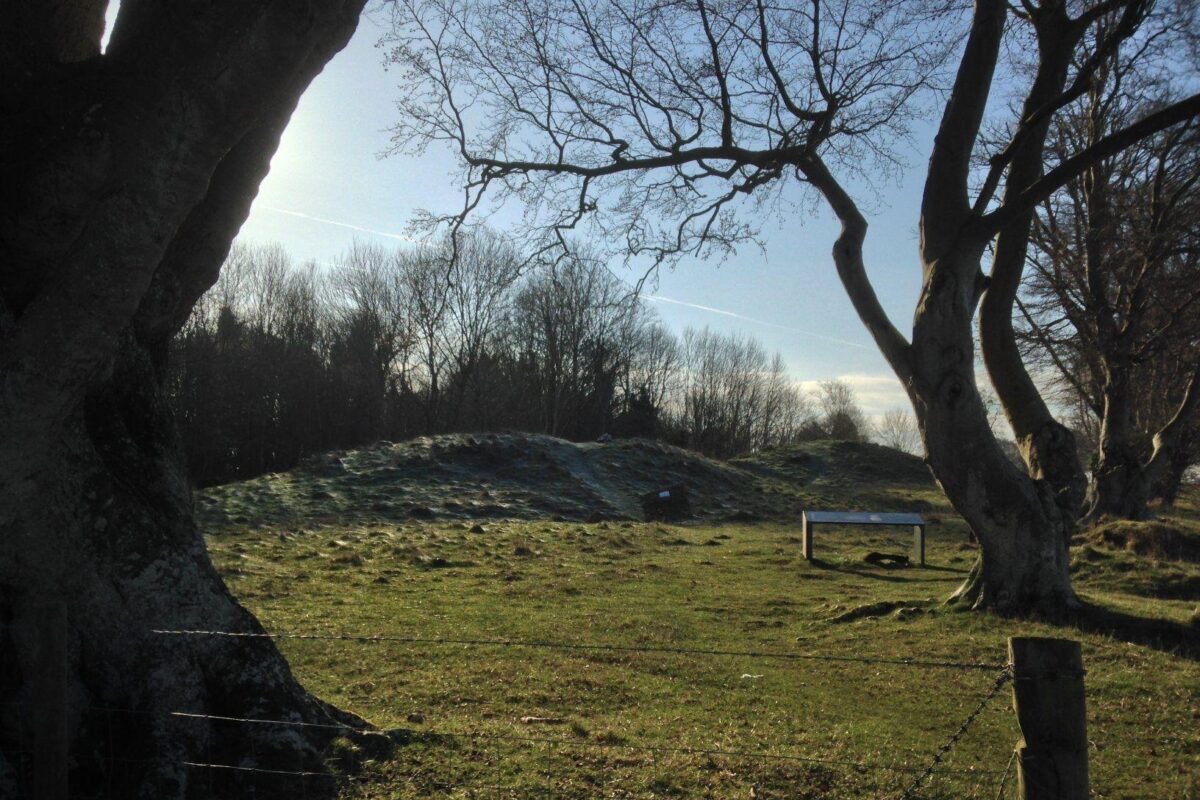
(1076, 165)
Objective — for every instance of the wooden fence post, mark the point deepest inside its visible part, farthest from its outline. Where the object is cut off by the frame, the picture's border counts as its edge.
(50, 729)
(806, 543)
(1048, 696)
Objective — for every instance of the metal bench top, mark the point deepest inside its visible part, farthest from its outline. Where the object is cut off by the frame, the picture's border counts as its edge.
(811, 518)
(864, 518)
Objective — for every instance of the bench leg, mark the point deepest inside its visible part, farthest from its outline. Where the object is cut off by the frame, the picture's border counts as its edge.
(806, 543)
(918, 555)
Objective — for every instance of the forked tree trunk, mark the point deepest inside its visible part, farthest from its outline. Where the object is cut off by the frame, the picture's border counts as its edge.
(1023, 531)
(1125, 477)
(96, 511)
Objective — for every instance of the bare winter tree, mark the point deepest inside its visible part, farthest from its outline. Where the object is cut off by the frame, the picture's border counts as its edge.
(841, 415)
(427, 295)
(481, 270)
(125, 176)
(373, 337)
(654, 123)
(897, 428)
(649, 372)
(732, 398)
(566, 328)
(1112, 293)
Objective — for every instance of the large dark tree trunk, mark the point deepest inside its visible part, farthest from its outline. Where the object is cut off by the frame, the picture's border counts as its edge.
(125, 178)
(97, 512)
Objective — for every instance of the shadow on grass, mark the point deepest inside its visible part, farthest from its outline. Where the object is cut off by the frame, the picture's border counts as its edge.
(891, 574)
(1176, 638)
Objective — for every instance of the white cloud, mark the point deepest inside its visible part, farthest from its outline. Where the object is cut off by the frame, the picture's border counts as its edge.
(877, 393)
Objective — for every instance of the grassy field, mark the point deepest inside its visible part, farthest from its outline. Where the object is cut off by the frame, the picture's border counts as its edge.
(500, 721)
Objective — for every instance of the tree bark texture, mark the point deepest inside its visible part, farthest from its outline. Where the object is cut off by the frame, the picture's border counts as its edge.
(126, 176)
(1047, 446)
(1022, 527)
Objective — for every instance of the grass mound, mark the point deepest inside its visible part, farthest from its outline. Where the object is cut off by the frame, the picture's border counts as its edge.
(827, 461)
(532, 476)
(1159, 539)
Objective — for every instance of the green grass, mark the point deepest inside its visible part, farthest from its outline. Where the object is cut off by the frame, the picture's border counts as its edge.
(731, 587)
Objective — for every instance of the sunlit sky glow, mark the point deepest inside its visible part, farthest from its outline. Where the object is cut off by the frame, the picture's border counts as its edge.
(330, 184)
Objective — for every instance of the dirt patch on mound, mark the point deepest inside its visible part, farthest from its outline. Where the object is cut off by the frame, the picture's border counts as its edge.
(1155, 539)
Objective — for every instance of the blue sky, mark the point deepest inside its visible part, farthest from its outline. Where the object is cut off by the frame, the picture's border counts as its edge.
(329, 184)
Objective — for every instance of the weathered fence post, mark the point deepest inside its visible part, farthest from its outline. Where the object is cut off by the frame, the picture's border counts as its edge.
(1048, 696)
(50, 730)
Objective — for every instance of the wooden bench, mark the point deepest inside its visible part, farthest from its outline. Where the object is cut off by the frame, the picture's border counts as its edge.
(810, 518)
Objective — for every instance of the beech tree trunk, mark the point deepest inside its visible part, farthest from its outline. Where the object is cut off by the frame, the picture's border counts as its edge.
(1171, 479)
(1120, 485)
(1125, 476)
(1020, 522)
(1023, 521)
(1022, 528)
(125, 177)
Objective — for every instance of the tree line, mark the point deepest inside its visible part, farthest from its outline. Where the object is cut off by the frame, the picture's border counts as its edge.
(280, 360)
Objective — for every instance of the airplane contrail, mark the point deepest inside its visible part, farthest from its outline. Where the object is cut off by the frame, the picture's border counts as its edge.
(398, 236)
(724, 313)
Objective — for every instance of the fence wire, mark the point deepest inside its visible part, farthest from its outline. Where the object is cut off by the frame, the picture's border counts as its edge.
(1003, 677)
(558, 741)
(921, 774)
(597, 646)
(1004, 777)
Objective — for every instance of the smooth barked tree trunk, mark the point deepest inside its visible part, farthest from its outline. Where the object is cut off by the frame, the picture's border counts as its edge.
(1127, 471)
(1022, 529)
(1021, 520)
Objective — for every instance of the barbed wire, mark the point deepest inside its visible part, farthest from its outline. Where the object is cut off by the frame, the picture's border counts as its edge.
(557, 741)
(265, 771)
(1004, 676)
(922, 774)
(597, 646)
(1004, 777)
